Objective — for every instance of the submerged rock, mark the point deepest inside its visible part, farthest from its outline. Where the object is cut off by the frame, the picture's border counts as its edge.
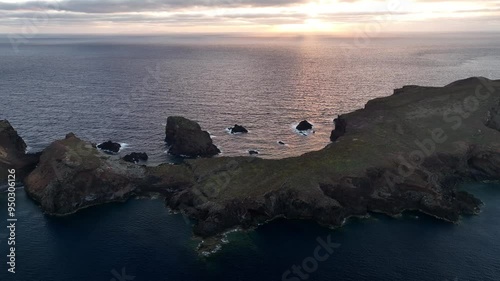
(13, 153)
(110, 146)
(304, 126)
(136, 157)
(237, 129)
(187, 139)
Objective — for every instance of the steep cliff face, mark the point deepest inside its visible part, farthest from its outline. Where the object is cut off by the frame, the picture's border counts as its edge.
(13, 153)
(340, 129)
(72, 175)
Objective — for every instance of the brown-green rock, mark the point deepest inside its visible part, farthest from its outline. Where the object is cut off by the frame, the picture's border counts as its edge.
(13, 153)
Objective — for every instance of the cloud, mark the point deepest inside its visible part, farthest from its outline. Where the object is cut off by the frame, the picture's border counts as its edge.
(124, 6)
(217, 13)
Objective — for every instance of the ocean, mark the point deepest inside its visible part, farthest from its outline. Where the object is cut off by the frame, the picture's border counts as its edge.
(123, 89)
(141, 240)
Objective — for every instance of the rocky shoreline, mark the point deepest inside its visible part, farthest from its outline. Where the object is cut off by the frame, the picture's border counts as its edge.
(408, 151)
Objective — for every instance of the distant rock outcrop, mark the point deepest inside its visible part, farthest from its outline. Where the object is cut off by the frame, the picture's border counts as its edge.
(13, 153)
(238, 129)
(304, 126)
(186, 139)
(340, 128)
(110, 146)
(136, 157)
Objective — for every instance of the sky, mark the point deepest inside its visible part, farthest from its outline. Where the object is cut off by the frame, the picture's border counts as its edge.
(248, 16)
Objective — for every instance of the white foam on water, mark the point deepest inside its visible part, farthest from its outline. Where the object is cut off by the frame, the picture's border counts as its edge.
(282, 144)
(123, 146)
(304, 133)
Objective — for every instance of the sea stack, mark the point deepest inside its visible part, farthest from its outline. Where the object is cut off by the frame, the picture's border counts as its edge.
(187, 139)
(13, 153)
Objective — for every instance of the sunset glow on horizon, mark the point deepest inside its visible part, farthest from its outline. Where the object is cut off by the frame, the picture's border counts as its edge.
(256, 16)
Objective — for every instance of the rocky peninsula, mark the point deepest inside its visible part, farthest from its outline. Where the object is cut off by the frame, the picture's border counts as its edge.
(407, 151)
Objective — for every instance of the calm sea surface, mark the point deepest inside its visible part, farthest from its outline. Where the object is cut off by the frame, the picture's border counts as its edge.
(124, 88)
(143, 239)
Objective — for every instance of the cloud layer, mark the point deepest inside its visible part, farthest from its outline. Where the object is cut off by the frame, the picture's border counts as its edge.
(248, 15)
(123, 6)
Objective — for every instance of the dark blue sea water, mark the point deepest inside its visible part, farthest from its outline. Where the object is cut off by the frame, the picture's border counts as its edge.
(124, 88)
(143, 239)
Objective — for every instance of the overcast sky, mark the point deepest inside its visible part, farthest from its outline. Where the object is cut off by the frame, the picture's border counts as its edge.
(260, 16)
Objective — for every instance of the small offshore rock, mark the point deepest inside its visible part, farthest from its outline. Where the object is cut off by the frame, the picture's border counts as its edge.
(13, 153)
(110, 146)
(304, 126)
(238, 129)
(136, 157)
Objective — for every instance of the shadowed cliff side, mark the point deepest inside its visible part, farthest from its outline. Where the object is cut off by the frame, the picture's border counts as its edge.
(13, 153)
